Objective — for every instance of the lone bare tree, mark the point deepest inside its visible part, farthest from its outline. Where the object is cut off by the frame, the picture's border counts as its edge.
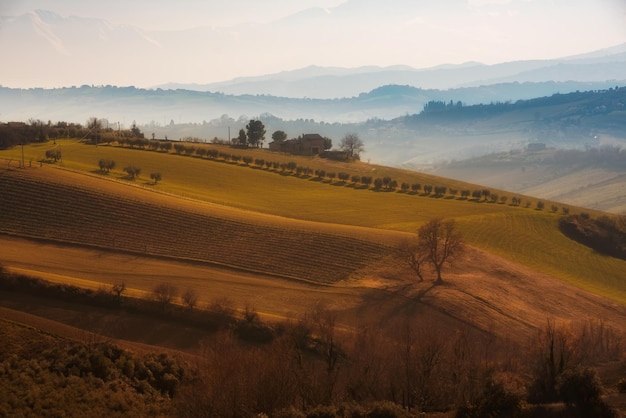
(352, 145)
(440, 242)
(415, 256)
(190, 297)
(164, 294)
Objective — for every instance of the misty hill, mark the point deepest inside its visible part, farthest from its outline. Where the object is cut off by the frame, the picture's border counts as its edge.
(161, 107)
(431, 140)
(594, 178)
(440, 126)
(552, 76)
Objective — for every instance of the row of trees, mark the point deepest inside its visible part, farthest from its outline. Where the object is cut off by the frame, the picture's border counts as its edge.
(385, 183)
(106, 165)
(36, 130)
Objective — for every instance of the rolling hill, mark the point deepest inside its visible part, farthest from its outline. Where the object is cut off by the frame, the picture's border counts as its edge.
(281, 244)
(247, 217)
(581, 178)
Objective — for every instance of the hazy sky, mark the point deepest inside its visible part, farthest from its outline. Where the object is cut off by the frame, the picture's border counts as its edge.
(352, 33)
(167, 14)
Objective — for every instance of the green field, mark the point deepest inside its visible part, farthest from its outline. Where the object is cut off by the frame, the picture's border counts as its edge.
(521, 234)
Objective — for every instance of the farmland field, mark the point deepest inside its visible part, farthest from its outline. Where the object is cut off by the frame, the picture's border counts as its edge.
(249, 239)
(524, 235)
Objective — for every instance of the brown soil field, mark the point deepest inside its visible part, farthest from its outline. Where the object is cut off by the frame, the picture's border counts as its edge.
(73, 208)
(495, 296)
(106, 235)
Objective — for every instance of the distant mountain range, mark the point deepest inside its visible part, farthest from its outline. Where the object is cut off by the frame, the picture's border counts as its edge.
(328, 83)
(77, 50)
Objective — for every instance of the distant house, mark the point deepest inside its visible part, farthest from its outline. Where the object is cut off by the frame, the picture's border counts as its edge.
(307, 144)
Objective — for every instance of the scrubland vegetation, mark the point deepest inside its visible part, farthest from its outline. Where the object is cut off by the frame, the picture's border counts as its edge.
(45, 375)
(305, 367)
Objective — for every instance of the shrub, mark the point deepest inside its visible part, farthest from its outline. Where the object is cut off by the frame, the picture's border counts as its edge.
(496, 400)
(164, 293)
(190, 297)
(322, 411)
(579, 386)
(386, 410)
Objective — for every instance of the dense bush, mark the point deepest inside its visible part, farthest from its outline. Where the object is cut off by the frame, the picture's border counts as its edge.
(43, 375)
(579, 386)
(606, 235)
(496, 400)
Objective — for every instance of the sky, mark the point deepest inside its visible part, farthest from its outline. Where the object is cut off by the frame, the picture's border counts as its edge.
(293, 34)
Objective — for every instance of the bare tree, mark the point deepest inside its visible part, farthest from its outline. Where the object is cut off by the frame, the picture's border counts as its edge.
(441, 242)
(190, 297)
(164, 293)
(352, 145)
(117, 289)
(95, 126)
(415, 256)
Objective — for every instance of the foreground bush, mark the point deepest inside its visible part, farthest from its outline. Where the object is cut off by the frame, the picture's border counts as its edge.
(43, 375)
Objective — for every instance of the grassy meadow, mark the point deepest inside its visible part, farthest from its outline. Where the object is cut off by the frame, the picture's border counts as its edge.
(519, 233)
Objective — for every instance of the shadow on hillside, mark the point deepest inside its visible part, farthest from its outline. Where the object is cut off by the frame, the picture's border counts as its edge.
(357, 186)
(99, 172)
(423, 292)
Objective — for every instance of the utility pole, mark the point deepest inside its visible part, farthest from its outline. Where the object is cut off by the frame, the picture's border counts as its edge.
(22, 144)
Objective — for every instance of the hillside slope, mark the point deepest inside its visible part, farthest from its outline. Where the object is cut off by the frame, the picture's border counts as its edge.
(521, 233)
(92, 230)
(66, 207)
(571, 177)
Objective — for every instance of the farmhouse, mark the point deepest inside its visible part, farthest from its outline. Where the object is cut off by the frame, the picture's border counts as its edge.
(307, 144)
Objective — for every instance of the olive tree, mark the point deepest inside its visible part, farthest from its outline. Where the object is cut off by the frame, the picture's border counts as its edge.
(106, 165)
(132, 171)
(156, 177)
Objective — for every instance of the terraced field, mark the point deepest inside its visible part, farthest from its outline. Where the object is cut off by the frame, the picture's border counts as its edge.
(46, 208)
